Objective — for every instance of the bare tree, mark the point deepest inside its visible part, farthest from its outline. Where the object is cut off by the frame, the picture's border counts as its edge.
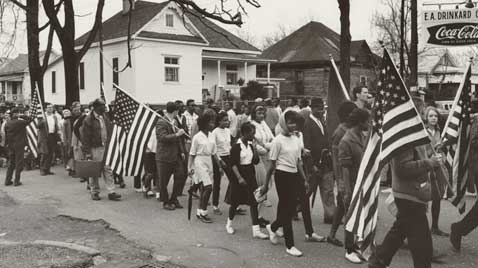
(274, 37)
(247, 36)
(10, 24)
(387, 24)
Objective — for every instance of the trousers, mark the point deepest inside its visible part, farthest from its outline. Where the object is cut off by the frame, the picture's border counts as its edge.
(97, 154)
(165, 170)
(15, 154)
(411, 223)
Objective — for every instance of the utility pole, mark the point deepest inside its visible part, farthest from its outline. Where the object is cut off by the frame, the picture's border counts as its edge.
(402, 38)
(413, 61)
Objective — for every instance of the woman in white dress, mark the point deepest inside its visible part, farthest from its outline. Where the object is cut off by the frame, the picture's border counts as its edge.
(203, 151)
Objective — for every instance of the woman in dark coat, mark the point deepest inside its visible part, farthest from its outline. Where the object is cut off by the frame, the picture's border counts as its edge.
(243, 180)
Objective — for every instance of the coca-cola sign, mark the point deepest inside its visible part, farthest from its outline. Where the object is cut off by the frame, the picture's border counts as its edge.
(453, 34)
(454, 27)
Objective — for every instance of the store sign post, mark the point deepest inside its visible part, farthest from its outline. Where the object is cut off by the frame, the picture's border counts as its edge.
(454, 27)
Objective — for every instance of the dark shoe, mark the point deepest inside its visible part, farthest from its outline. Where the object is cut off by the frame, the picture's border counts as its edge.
(83, 179)
(49, 173)
(114, 197)
(240, 211)
(168, 206)
(88, 188)
(17, 184)
(43, 173)
(122, 185)
(334, 241)
(8, 183)
(95, 197)
(328, 221)
(455, 238)
(177, 204)
(263, 222)
(204, 218)
(439, 232)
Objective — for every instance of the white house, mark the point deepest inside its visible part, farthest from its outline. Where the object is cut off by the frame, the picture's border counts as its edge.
(173, 56)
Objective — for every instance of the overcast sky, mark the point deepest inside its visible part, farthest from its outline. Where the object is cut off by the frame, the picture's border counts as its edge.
(260, 21)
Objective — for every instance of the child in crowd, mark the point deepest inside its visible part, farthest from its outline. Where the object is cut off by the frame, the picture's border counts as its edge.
(243, 181)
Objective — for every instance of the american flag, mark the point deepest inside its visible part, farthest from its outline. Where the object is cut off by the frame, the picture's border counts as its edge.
(133, 124)
(457, 137)
(396, 125)
(36, 110)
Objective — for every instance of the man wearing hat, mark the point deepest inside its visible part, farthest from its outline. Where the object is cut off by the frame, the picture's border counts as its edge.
(95, 135)
(15, 141)
(315, 140)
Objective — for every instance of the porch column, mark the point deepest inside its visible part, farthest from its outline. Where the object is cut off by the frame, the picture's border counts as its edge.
(218, 73)
(245, 73)
(268, 73)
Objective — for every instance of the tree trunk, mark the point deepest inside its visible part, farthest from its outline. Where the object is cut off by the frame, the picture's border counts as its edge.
(413, 60)
(33, 44)
(345, 40)
(72, 87)
(402, 38)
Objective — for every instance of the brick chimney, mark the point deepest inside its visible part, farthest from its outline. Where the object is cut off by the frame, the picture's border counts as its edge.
(126, 6)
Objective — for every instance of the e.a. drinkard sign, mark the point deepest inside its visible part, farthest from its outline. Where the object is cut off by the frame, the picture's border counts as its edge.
(454, 27)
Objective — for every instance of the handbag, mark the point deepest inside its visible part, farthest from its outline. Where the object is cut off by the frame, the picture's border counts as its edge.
(258, 196)
(88, 168)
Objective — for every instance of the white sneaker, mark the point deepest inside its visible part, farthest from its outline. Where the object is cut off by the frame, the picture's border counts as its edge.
(150, 193)
(256, 232)
(293, 251)
(353, 257)
(138, 190)
(315, 238)
(230, 230)
(272, 236)
(279, 232)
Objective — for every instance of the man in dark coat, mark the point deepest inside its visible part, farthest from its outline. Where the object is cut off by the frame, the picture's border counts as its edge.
(15, 141)
(48, 137)
(170, 155)
(316, 140)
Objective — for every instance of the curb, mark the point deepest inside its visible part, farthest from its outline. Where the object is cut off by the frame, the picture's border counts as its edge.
(90, 251)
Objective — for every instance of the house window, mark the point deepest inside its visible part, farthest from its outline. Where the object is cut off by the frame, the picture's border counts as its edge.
(14, 88)
(299, 82)
(2, 87)
(231, 74)
(115, 71)
(363, 80)
(82, 75)
(53, 82)
(169, 20)
(171, 69)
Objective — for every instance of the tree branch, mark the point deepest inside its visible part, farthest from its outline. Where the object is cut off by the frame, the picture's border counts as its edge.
(19, 4)
(49, 7)
(233, 20)
(128, 40)
(57, 9)
(94, 30)
(46, 56)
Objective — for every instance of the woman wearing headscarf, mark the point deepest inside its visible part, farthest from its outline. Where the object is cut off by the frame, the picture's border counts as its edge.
(286, 164)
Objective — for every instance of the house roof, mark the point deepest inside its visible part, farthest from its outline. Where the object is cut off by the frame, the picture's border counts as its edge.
(117, 27)
(314, 42)
(234, 56)
(15, 66)
(20, 63)
(437, 60)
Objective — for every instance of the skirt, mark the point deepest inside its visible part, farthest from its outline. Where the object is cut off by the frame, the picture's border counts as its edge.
(238, 194)
(203, 170)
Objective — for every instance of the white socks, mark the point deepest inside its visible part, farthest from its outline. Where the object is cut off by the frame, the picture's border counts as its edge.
(256, 232)
(229, 228)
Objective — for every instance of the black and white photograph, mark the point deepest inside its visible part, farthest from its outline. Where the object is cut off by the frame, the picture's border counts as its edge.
(238, 133)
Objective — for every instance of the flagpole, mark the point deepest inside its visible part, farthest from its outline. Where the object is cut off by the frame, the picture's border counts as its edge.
(408, 93)
(339, 78)
(41, 106)
(457, 98)
(148, 108)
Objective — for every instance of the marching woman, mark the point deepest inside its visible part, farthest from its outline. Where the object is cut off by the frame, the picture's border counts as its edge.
(201, 155)
(438, 188)
(286, 162)
(222, 137)
(243, 180)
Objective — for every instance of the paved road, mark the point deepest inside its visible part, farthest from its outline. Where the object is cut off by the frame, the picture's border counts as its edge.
(195, 244)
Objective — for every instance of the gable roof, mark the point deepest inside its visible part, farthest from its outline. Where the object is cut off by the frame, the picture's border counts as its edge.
(314, 42)
(117, 27)
(438, 60)
(15, 66)
(20, 63)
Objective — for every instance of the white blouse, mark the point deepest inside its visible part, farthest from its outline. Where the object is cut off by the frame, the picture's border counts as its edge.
(203, 145)
(263, 136)
(222, 137)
